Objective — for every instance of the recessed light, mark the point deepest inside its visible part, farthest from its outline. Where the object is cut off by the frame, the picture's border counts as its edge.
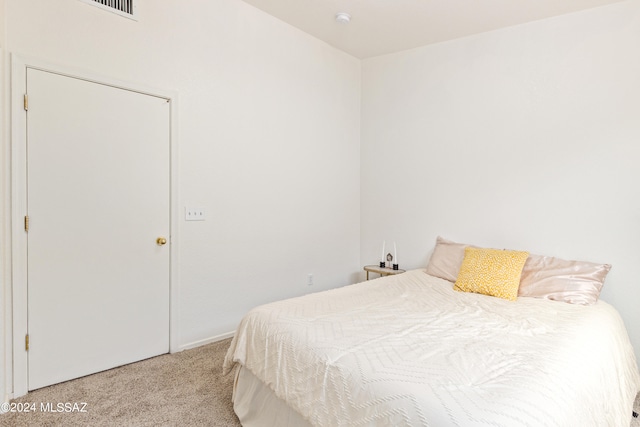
(343, 17)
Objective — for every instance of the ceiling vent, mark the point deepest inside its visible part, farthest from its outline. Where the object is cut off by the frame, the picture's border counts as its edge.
(126, 8)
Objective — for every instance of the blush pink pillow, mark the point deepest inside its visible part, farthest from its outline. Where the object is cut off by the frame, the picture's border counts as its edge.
(446, 259)
(575, 282)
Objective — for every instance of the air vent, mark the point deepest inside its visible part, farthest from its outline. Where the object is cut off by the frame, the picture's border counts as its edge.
(125, 8)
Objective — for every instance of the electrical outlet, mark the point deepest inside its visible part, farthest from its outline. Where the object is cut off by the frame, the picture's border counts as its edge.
(310, 279)
(193, 214)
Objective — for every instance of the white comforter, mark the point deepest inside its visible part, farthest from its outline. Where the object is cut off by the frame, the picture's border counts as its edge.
(407, 350)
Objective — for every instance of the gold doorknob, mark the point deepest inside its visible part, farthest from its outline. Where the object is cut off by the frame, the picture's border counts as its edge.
(161, 241)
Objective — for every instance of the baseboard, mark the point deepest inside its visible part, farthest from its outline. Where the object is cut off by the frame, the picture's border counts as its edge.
(4, 408)
(210, 340)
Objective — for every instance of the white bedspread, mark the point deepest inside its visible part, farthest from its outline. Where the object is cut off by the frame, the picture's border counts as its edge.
(407, 350)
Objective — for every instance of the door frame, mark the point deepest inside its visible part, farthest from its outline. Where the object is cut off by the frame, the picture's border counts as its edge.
(18, 292)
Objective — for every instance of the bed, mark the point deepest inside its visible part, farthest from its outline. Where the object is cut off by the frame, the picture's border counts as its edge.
(409, 350)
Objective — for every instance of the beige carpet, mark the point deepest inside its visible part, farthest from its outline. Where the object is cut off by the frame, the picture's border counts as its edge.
(182, 389)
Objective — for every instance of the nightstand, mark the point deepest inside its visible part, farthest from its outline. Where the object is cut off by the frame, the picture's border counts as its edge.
(382, 271)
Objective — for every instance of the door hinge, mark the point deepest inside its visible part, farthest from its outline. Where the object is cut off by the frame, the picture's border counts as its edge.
(26, 223)
(26, 102)
(26, 342)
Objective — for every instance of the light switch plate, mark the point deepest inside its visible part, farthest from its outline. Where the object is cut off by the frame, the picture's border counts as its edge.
(193, 214)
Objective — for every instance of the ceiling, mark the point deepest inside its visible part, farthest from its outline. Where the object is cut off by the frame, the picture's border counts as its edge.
(378, 27)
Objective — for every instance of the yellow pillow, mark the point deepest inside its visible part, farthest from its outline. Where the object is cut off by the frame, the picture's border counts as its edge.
(491, 272)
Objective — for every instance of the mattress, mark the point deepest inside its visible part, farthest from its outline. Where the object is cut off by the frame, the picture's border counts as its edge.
(408, 350)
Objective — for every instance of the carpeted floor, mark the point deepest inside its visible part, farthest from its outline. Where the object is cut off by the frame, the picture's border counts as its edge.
(182, 389)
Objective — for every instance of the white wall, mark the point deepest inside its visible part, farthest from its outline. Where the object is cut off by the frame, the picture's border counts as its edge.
(5, 179)
(269, 122)
(525, 138)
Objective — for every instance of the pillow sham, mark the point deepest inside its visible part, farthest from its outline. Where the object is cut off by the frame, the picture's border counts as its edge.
(574, 282)
(446, 259)
(492, 272)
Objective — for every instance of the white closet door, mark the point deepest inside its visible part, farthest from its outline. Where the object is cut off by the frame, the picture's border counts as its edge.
(98, 184)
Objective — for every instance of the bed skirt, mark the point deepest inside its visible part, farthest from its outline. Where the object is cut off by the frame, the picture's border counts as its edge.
(257, 405)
